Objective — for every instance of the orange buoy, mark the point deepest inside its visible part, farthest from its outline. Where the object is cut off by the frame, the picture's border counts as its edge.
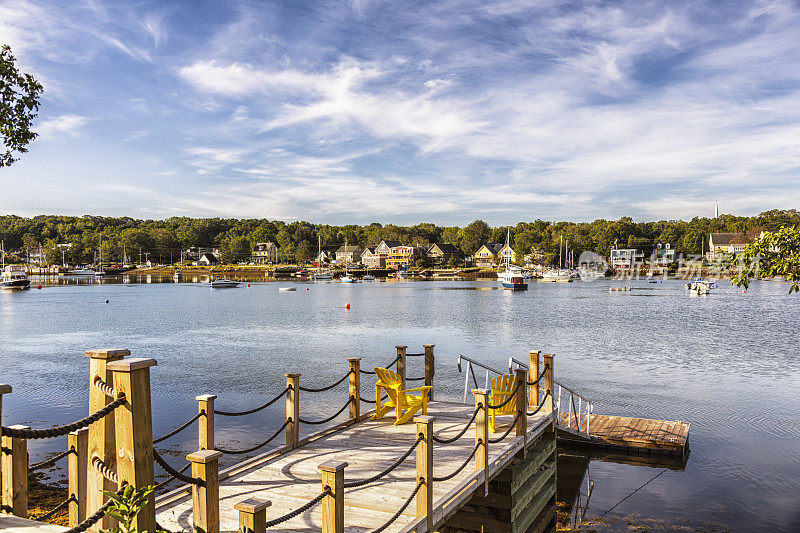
(347, 306)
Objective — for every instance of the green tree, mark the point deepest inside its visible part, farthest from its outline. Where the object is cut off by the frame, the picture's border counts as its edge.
(773, 254)
(19, 104)
(474, 236)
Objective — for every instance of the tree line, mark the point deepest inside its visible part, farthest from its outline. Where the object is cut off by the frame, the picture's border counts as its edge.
(162, 240)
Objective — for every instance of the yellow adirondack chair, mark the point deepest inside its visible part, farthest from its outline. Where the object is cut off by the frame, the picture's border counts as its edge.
(398, 398)
(502, 388)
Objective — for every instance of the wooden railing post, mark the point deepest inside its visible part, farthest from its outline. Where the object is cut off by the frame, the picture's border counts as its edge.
(5, 388)
(425, 468)
(102, 441)
(205, 424)
(205, 498)
(548, 384)
(134, 431)
(253, 515)
(521, 430)
(15, 474)
(78, 470)
(430, 368)
(354, 387)
(401, 364)
(533, 374)
(333, 505)
(293, 410)
(482, 434)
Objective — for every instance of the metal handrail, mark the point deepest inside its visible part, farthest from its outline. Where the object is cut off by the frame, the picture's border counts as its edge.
(470, 372)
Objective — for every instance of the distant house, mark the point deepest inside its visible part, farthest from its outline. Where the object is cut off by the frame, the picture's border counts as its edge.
(663, 254)
(327, 254)
(507, 251)
(626, 258)
(349, 254)
(726, 243)
(402, 256)
(265, 252)
(441, 253)
(487, 254)
(207, 260)
(195, 252)
(385, 247)
(370, 259)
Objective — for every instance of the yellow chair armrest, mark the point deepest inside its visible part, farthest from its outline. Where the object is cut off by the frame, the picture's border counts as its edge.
(425, 388)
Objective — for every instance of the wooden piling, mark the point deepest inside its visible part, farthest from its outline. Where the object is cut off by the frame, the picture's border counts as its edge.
(15, 474)
(77, 474)
(521, 378)
(205, 498)
(293, 409)
(533, 375)
(430, 368)
(333, 505)
(548, 383)
(134, 431)
(401, 364)
(253, 515)
(482, 433)
(354, 387)
(5, 388)
(425, 468)
(205, 424)
(102, 441)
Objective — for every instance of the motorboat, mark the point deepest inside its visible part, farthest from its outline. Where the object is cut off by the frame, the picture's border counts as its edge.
(287, 289)
(222, 283)
(556, 275)
(301, 273)
(368, 277)
(511, 278)
(347, 278)
(14, 277)
(82, 272)
(178, 276)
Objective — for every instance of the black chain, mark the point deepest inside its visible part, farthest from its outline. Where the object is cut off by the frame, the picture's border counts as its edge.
(387, 366)
(50, 462)
(403, 508)
(415, 379)
(460, 468)
(540, 376)
(60, 431)
(313, 422)
(92, 520)
(513, 425)
(299, 510)
(175, 473)
(504, 403)
(179, 429)
(460, 433)
(49, 514)
(329, 387)
(255, 410)
(372, 401)
(415, 354)
(257, 446)
(531, 413)
(376, 477)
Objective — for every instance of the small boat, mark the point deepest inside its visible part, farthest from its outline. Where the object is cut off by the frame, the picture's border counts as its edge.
(347, 278)
(320, 275)
(82, 272)
(368, 277)
(14, 277)
(100, 273)
(301, 273)
(287, 289)
(222, 283)
(617, 289)
(402, 274)
(511, 278)
(178, 276)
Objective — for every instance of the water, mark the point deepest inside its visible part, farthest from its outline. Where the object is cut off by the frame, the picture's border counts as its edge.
(728, 363)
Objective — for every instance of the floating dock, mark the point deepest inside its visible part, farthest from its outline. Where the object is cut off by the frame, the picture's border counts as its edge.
(637, 436)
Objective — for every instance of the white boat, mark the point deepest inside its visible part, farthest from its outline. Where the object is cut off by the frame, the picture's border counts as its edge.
(82, 272)
(287, 289)
(14, 277)
(222, 283)
(368, 277)
(347, 278)
(320, 275)
(178, 276)
(101, 272)
(511, 278)
(700, 287)
(402, 274)
(556, 275)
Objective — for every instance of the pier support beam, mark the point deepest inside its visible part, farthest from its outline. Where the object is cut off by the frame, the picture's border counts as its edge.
(354, 387)
(77, 468)
(205, 499)
(102, 440)
(293, 410)
(15, 474)
(401, 364)
(134, 431)
(430, 368)
(482, 434)
(253, 515)
(425, 468)
(533, 375)
(205, 424)
(333, 505)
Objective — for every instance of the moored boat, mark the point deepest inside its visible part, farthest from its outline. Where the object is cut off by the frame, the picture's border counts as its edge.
(14, 277)
(512, 278)
(222, 283)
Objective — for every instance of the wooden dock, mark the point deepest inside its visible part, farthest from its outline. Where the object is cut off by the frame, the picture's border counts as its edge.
(291, 477)
(641, 434)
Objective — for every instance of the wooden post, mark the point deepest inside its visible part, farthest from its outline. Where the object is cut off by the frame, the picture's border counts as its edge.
(425, 468)
(5, 388)
(533, 373)
(102, 442)
(205, 499)
(482, 434)
(293, 410)
(134, 431)
(78, 469)
(253, 515)
(15, 474)
(430, 368)
(205, 424)
(548, 383)
(401, 365)
(333, 505)
(521, 429)
(354, 387)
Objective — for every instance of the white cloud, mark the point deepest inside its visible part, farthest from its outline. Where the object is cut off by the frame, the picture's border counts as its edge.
(61, 127)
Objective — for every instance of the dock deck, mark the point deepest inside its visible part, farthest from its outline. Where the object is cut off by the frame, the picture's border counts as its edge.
(656, 436)
(290, 477)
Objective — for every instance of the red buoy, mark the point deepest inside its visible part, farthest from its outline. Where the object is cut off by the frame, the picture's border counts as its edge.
(248, 285)
(38, 286)
(347, 306)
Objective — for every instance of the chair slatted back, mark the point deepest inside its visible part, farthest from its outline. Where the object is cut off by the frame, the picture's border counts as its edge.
(391, 383)
(502, 388)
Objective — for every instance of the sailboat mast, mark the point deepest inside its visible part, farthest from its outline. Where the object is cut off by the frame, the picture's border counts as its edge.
(560, 246)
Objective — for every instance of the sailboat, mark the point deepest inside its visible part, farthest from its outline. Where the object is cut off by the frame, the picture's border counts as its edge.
(320, 275)
(511, 279)
(557, 275)
(101, 272)
(347, 278)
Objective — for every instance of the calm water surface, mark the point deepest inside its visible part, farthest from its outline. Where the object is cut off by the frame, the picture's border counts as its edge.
(728, 363)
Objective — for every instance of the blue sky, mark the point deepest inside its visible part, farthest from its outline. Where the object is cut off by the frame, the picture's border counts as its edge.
(361, 111)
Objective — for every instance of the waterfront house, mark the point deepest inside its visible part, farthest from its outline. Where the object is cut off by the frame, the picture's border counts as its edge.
(194, 253)
(663, 254)
(265, 252)
(507, 251)
(720, 244)
(349, 254)
(401, 257)
(626, 258)
(385, 247)
(327, 254)
(207, 259)
(371, 259)
(487, 254)
(441, 253)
